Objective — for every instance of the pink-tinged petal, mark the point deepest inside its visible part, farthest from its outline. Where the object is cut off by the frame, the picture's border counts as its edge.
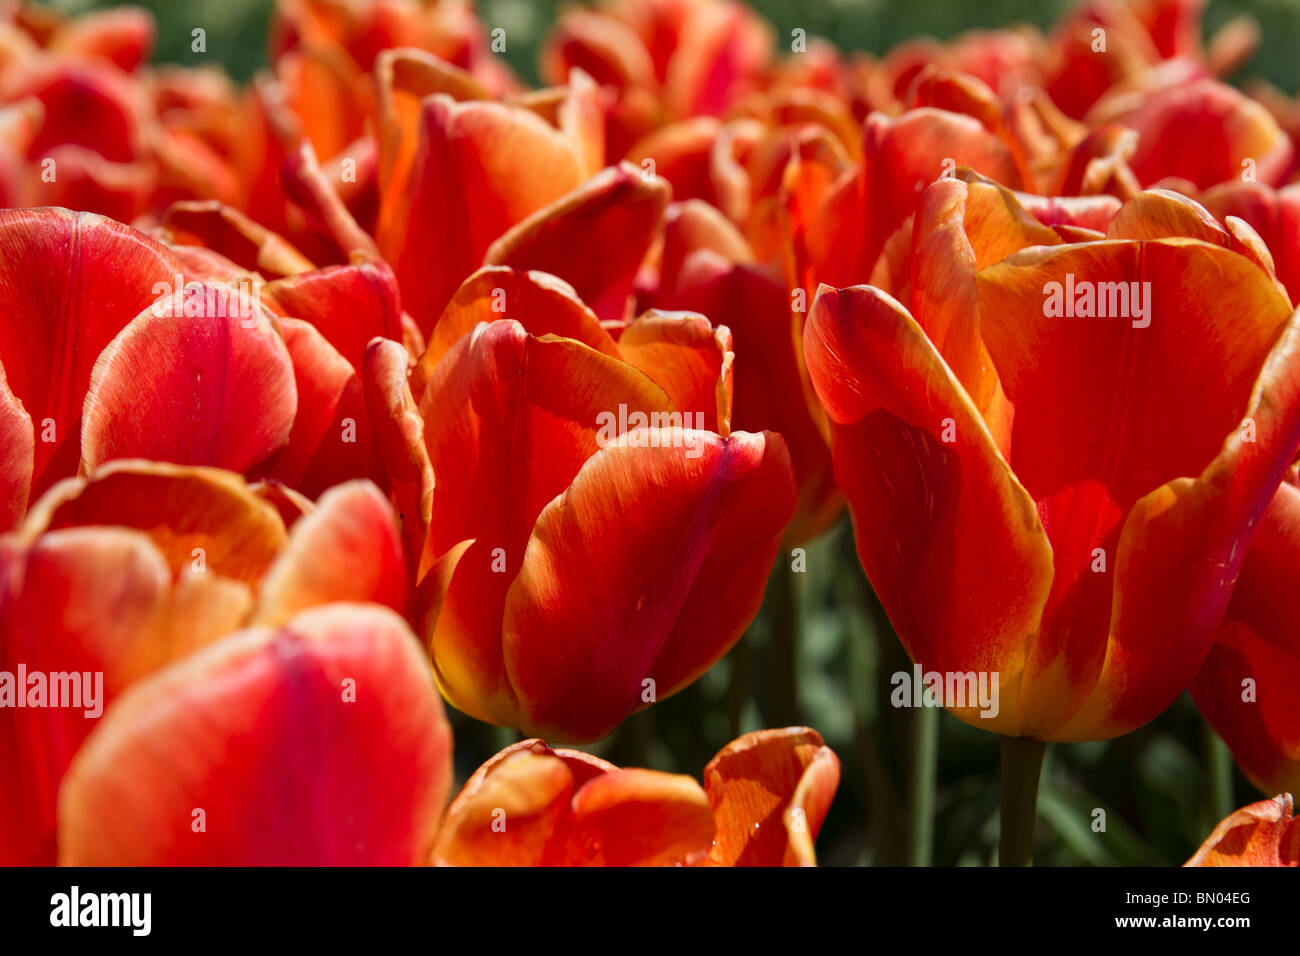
(267, 733)
(509, 419)
(479, 169)
(18, 457)
(329, 441)
(570, 238)
(540, 302)
(398, 439)
(1244, 687)
(78, 601)
(348, 549)
(70, 282)
(689, 359)
(948, 537)
(201, 519)
(1266, 833)
(649, 567)
(770, 791)
(221, 388)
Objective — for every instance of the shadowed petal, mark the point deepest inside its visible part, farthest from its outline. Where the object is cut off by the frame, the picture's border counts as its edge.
(596, 613)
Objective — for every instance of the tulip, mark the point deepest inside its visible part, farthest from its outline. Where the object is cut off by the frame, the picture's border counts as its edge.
(571, 573)
(1063, 501)
(764, 798)
(111, 308)
(1245, 688)
(143, 564)
(1262, 834)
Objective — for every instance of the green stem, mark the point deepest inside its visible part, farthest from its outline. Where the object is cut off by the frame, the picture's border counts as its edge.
(921, 775)
(785, 645)
(1022, 764)
(1218, 774)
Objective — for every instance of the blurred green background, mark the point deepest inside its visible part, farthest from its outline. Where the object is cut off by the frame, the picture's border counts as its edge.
(237, 28)
(1154, 785)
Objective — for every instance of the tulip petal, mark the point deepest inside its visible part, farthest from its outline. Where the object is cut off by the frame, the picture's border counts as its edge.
(509, 811)
(570, 238)
(1262, 834)
(221, 388)
(70, 283)
(770, 791)
(594, 613)
(480, 168)
(329, 441)
(202, 519)
(78, 601)
(689, 359)
(540, 302)
(399, 443)
(509, 419)
(260, 736)
(949, 538)
(348, 549)
(1086, 472)
(637, 817)
(1244, 687)
(19, 444)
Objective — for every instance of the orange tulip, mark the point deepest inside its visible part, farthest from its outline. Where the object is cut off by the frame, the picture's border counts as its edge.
(764, 798)
(1057, 499)
(1263, 834)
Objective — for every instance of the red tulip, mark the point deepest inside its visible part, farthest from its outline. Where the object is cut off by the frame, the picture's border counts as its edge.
(569, 576)
(1246, 687)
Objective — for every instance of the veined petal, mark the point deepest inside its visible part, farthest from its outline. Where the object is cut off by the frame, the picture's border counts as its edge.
(221, 388)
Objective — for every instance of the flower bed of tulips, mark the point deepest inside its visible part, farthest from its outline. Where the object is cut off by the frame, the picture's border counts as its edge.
(383, 439)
